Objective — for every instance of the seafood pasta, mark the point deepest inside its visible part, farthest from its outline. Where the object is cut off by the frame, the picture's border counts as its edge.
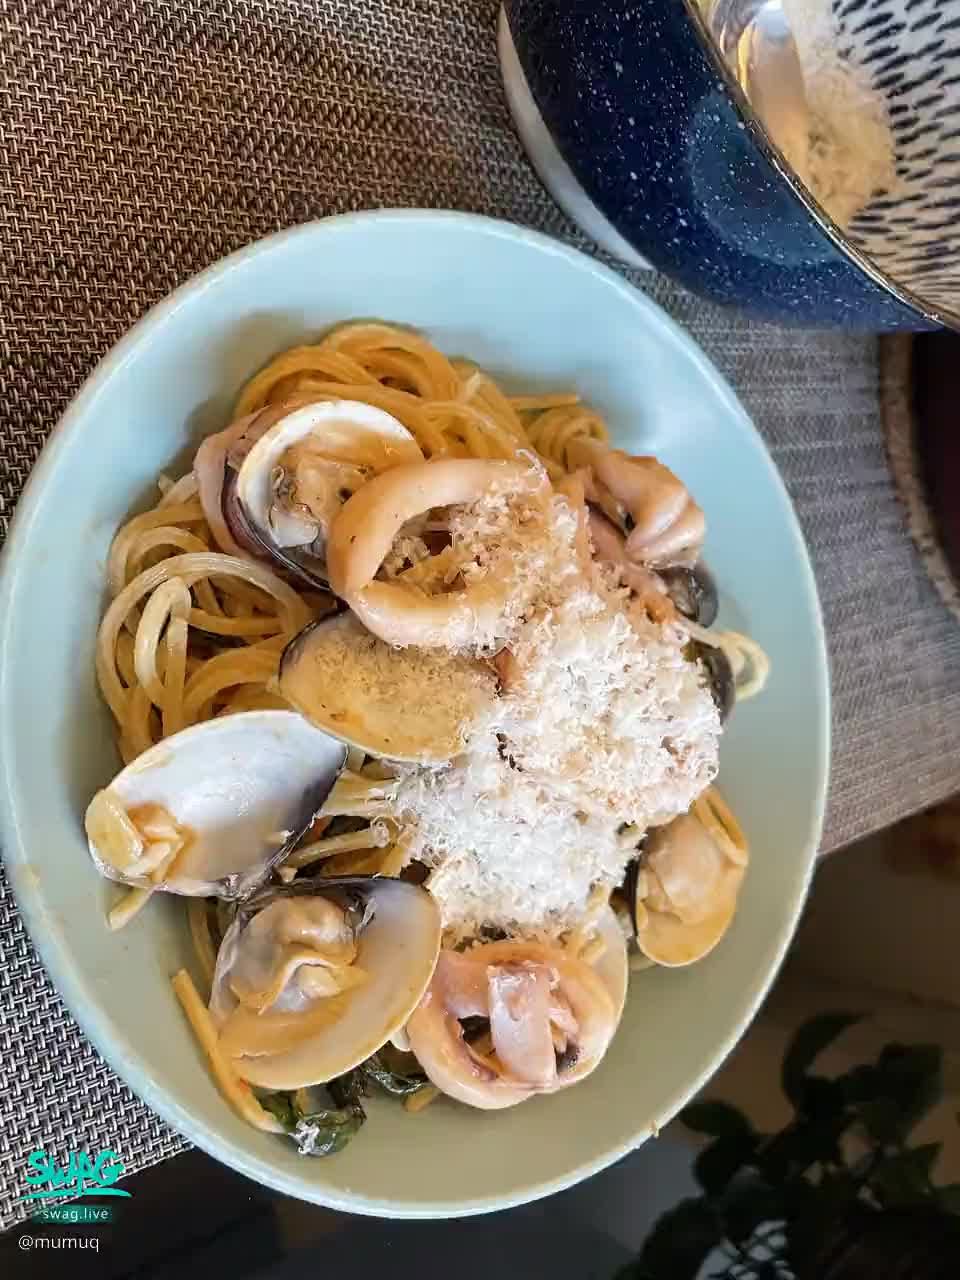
(419, 699)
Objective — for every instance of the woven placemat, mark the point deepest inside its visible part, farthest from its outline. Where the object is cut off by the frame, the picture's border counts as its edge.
(139, 143)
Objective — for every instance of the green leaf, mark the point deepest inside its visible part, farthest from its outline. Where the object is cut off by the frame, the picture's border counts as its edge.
(747, 1203)
(912, 1076)
(679, 1242)
(717, 1119)
(860, 1084)
(822, 1098)
(948, 1197)
(882, 1119)
(281, 1106)
(815, 1210)
(324, 1133)
(812, 1139)
(717, 1164)
(398, 1083)
(807, 1044)
(329, 1128)
(903, 1180)
(348, 1089)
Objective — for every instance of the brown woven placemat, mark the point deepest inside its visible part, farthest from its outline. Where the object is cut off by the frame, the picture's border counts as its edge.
(139, 143)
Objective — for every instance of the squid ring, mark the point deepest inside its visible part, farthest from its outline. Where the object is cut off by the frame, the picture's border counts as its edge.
(466, 984)
(363, 531)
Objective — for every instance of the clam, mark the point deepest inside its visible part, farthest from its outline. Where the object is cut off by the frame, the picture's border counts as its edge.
(211, 810)
(283, 493)
(684, 893)
(402, 704)
(315, 977)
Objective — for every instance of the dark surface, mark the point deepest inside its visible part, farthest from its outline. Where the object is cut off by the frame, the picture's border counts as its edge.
(936, 397)
(192, 1217)
(648, 119)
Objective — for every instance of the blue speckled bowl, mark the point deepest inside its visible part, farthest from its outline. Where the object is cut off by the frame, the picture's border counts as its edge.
(641, 132)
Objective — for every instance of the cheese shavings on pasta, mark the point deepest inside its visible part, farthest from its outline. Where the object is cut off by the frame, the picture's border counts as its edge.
(602, 722)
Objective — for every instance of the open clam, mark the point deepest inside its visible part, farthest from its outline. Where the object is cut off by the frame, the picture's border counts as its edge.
(314, 977)
(287, 476)
(402, 704)
(211, 810)
(684, 894)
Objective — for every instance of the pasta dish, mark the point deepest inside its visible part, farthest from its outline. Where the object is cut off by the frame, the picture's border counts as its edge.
(418, 692)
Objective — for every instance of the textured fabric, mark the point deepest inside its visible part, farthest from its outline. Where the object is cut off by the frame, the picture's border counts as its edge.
(139, 143)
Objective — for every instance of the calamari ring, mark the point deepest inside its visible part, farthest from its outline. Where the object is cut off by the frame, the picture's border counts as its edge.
(363, 531)
(459, 989)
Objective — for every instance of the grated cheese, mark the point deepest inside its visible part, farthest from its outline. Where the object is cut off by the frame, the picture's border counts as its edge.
(505, 851)
(602, 722)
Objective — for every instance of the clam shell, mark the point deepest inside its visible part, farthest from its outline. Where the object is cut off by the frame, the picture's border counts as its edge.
(688, 861)
(347, 431)
(398, 941)
(243, 787)
(612, 965)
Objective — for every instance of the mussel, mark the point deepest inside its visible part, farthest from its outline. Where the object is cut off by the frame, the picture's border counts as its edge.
(281, 492)
(693, 592)
(314, 977)
(683, 891)
(720, 678)
(401, 704)
(211, 810)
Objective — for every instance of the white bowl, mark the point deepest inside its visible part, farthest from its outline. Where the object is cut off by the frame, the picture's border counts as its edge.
(538, 315)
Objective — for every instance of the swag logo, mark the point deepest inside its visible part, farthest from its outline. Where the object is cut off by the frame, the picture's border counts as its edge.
(79, 1176)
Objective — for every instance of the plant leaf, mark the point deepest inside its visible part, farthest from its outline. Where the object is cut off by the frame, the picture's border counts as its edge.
(324, 1133)
(348, 1089)
(717, 1164)
(808, 1043)
(716, 1118)
(948, 1197)
(398, 1083)
(320, 1131)
(861, 1083)
(882, 1120)
(903, 1180)
(281, 1106)
(812, 1139)
(912, 1076)
(679, 1242)
(748, 1202)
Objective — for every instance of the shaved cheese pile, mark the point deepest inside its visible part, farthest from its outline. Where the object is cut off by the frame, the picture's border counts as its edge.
(602, 722)
(506, 852)
(608, 713)
(524, 539)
